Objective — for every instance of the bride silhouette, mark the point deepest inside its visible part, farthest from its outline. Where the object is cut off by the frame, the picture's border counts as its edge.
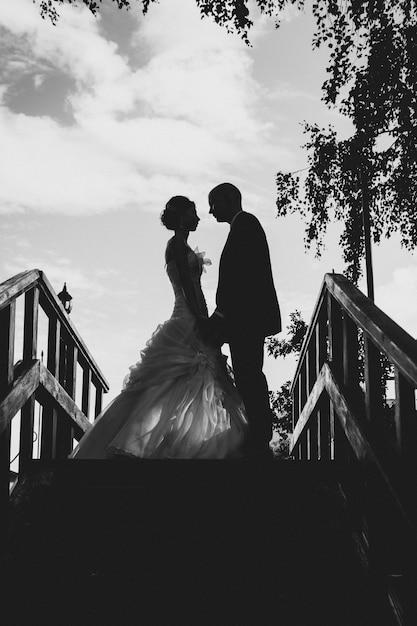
(179, 400)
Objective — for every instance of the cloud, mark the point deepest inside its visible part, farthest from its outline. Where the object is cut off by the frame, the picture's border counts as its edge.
(191, 107)
(57, 270)
(87, 286)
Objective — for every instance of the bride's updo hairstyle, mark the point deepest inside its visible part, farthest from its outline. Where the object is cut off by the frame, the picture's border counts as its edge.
(175, 208)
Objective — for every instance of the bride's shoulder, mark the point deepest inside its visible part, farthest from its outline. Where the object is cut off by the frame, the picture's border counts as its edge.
(169, 250)
(175, 248)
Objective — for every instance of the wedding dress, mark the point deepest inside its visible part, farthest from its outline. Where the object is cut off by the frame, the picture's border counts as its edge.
(179, 400)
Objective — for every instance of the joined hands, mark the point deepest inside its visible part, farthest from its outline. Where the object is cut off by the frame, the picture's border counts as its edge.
(211, 331)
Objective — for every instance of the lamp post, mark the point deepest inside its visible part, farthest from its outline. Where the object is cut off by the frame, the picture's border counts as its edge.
(66, 299)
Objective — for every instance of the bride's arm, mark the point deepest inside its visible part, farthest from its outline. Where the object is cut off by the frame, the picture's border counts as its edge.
(179, 251)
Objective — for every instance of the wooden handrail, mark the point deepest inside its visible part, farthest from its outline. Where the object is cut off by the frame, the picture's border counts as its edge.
(63, 400)
(53, 387)
(22, 283)
(341, 413)
(354, 430)
(17, 285)
(310, 331)
(387, 335)
(340, 313)
(394, 341)
(23, 388)
(37, 377)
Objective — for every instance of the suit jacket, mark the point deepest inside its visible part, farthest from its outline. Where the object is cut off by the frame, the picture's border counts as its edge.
(246, 295)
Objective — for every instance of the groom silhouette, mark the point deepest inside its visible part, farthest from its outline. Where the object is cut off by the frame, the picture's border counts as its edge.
(246, 311)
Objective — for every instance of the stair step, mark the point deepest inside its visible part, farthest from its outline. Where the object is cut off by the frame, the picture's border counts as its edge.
(186, 542)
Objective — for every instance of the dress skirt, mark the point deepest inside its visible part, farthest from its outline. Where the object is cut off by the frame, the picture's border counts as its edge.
(177, 402)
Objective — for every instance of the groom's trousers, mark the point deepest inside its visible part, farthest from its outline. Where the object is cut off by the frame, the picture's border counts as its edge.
(247, 353)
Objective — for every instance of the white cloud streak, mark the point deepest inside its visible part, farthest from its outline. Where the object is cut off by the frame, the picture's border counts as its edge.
(192, 108)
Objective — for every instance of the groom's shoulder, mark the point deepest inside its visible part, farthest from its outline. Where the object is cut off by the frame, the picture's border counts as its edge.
(249, 220)
(245, 216)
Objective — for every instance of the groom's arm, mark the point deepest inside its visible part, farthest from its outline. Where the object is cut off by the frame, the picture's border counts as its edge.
(213, 330)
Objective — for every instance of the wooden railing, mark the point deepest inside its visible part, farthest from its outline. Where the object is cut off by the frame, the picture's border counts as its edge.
(52, 386)
(342, 412)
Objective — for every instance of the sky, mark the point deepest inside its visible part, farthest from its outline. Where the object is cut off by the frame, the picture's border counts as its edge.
(103, 119)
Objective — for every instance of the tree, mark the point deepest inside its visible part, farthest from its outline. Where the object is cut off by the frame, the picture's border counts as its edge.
(281, 406)
(281, 403)
(372, 78)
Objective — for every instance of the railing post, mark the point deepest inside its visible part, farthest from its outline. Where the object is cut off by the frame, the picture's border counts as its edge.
(7, 331)
(351, 378)
(49, 412)
(335, 337)
(302, 446)
(99, 400)
(405, 418)
(314, 438)
(66, 379)
(308, 443)
(303, 385)
(310, 380)
(336, 360)
(321, 339)
(26, 434)
(332, 431)
(373, 390)
(324, 429)
(30, 345)
(30, 329)
(71, 381)
(350, 354)
(296, 411)
(311, 361)
(346, 365)
(295, 405)
(302, 388)
(85, 399)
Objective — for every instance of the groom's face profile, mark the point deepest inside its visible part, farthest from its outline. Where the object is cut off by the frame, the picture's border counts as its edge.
(219, 208)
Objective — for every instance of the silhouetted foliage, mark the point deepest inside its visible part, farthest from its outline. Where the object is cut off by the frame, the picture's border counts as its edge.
(234, 15)
(48, 8)
(292, 345)
(281, 403)
(372, 78)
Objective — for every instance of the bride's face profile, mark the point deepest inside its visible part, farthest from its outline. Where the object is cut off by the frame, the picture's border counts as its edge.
(190, 219)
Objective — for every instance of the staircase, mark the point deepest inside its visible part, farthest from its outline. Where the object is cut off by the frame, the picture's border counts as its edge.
(186, 542)
(325, 539)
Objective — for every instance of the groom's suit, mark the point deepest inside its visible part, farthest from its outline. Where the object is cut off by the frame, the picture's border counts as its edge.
(247, 304)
